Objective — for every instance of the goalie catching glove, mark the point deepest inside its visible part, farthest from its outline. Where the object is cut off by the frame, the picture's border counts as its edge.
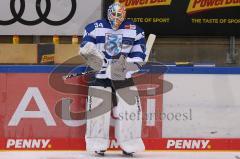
(94, 58)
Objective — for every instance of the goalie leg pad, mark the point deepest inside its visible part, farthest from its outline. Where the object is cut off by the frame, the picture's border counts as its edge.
(96, 145)
(98, 123)
(128, 126)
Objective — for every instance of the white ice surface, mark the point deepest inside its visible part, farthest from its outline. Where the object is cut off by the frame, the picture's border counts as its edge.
(117, 155)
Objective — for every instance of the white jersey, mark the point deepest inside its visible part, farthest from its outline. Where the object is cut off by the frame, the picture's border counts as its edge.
(128, 40)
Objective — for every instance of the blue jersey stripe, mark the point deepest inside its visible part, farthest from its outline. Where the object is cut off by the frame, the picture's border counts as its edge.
(89, 39)
(100, 39)
(111, 57)
(89, 28)
(137, 54)
(128, 41)
(141, 41)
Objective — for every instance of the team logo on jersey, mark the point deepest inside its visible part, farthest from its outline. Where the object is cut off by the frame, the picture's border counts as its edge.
(113, 44)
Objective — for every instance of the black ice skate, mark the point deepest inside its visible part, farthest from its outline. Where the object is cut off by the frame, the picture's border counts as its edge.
(100, 153)
(129, 154)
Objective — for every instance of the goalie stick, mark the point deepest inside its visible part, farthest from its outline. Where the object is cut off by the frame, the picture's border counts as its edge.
(149, 45)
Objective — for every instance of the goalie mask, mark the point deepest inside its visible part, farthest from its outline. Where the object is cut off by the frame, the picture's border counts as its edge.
(116, 15)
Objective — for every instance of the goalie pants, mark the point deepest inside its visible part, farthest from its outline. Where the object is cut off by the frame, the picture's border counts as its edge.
(121, 100)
